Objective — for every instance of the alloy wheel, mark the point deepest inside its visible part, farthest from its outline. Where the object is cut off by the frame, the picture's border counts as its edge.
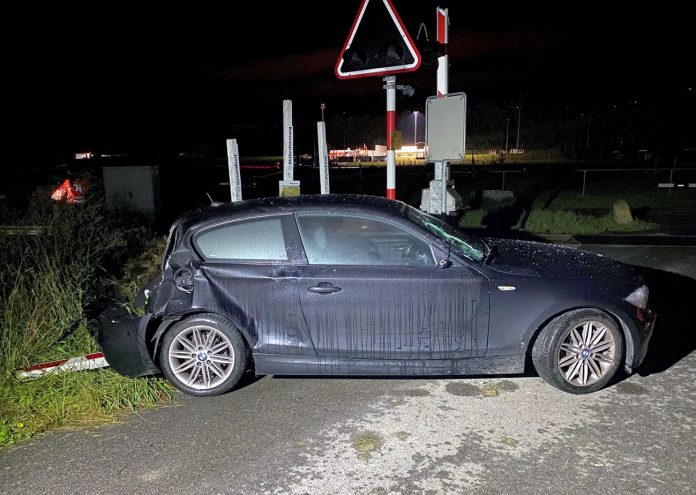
(201, 357)
(587, 353)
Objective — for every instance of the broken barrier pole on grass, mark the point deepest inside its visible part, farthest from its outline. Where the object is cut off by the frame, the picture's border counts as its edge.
(89, 362)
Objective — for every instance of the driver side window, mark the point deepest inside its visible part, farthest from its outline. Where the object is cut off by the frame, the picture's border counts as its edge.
(350, 240)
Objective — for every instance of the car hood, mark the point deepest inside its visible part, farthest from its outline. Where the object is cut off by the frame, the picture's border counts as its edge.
(529, 258)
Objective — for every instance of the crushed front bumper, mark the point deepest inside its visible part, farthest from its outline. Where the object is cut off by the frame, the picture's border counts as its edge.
(649, 319)
(645, 325)
(122, 338)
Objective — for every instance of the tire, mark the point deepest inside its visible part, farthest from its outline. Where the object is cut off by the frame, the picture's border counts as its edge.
(563, 358)
(203, 355)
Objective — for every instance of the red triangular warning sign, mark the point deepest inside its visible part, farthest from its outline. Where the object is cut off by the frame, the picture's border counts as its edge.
(378, 44)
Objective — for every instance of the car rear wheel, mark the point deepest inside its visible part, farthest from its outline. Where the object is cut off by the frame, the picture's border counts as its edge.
(579, 352)
(203, 355)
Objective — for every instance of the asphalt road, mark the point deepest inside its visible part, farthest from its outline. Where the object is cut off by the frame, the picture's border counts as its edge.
(347, 436)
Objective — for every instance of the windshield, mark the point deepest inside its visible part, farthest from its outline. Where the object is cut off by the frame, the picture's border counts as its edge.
(470, 246)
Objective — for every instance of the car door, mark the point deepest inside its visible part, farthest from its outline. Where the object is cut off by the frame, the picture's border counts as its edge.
(371, 289)
(249, 274)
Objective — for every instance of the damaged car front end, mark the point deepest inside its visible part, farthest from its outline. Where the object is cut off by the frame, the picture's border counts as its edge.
(130, 341)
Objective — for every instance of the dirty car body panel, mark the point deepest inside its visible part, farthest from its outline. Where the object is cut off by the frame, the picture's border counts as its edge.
(417, 301)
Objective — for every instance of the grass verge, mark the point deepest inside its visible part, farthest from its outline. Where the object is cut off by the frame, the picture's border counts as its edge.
(46, 283)
(569, 222)
(472, 218)
(601, 198)
(542, 221)
(61, 400)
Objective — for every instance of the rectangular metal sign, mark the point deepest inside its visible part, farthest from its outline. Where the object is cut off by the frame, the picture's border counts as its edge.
(445, 128)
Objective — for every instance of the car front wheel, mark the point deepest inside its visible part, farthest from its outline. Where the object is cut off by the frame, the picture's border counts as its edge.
(579, 351)
(203, 355)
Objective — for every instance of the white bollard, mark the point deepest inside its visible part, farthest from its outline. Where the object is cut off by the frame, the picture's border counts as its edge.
(323, 158)
(288, 186)
(233, 166)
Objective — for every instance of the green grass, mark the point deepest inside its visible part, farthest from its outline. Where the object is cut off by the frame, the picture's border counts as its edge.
(569, 222)
(542, 221)
(574, 200)
(46, 283)
(129, 291)
(472, 218)
(561, 222)
(68, 400)
(638, 189)
(558, 206)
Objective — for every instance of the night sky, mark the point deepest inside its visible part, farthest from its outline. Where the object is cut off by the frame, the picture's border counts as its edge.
(125, 79)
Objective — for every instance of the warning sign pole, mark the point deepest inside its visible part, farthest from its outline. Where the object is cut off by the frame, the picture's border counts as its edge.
(443, 60)
(439, 198)
(390, 86)
(378, 44)
(441, 167)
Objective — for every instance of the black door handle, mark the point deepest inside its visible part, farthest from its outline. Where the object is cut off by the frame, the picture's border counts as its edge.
(323, 288)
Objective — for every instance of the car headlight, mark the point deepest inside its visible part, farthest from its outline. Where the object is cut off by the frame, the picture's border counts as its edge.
(639, 297)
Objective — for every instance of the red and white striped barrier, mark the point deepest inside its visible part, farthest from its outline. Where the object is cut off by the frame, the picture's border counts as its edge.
(89, 362)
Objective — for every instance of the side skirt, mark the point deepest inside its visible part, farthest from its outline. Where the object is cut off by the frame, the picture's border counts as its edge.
(278, 364)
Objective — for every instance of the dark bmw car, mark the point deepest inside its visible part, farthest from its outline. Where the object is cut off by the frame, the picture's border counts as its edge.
(359, 285)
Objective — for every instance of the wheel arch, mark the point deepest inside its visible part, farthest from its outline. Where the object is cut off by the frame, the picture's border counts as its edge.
(159, 326)
(533, 333)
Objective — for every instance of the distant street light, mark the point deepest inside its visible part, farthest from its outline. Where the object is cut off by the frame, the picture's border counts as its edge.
(519, 111)
(507, 135)
(415, 128)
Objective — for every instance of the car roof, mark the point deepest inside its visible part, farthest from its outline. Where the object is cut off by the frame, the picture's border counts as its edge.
(316, 202)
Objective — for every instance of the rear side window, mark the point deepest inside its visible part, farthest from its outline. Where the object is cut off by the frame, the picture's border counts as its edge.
(351, 240)
(259, 240)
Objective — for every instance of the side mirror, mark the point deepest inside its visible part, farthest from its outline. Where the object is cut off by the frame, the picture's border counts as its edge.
(444, 264)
